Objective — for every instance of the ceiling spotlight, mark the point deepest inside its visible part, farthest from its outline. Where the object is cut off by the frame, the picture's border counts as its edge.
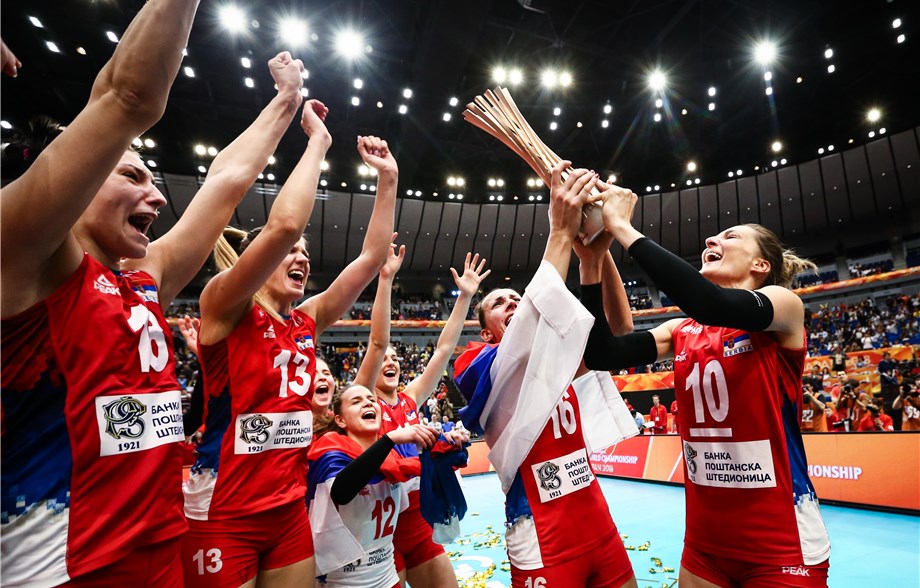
(731, 174)
(454, 101)
(515, 77)
(52, 47)
(212, 151)
(689, 182)
(683, 111)
(712, 91)
(820, 150)
(136, 142)
(451, 196)
(873, 115)
(612, 179)
(557, 111)
(565, 79)
(769, 91)
(272, 160)
(830, 147)
(657, 80)
(188, 71)
(871, 134)
(151, 163)
(418, 192)
(776, 146)
(358, 83)
(658, 103)
(249, 82)
(349, 44)
(500, 197)
(895, 24)
(691, 166)
(530, 198)
(549, 78)
(608, 109)
(828, 53)
(202, 169)
(578, 124)
(403, 109)
(782, 161)
(363, 186)
(149, 143)
(767, 76)
(553, 126)
(111, 36)
(461, 181)
(379, 104)
(459, 196)
(407, 93)
(271, 177)
(200, 149)
(451, 181)
(363, 170)
(499, 75)
(529, 181)
(657, 187)
(500, 183)
(293, 32)
(882, 131)
(738, 172)
(491, 182)
(901, 38)
(408, 192)
(81, 50)
(657, 117)
(355, 101)
(446, 117)
(232, 18)
(831, 68)
(648, 188)
(774, 163)
(324, 165)
(38, 24)
(305, 73)
(765, 52)
(323, 183)
(304, 92)
(712, 106)
(696, 181)
(539, 197)
(605, 123)
(247, 63)
(491, 197)
(798, 80)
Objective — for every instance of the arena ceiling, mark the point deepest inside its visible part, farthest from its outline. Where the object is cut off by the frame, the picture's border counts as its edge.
(442, 50)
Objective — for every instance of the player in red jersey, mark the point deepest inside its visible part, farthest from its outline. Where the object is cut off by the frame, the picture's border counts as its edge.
(552, 491)
(744, 346)
(87, 354)
(245, 497)
(418, 559)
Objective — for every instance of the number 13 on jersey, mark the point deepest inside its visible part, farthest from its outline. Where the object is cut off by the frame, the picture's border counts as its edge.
(300, 383)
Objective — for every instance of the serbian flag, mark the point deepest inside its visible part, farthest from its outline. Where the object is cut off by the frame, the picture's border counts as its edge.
(335, 545)
(440, 495)
(469, 369)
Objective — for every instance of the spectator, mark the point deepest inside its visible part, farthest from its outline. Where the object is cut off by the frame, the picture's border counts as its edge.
(640, 420)
(446, 425)
(658, 414)
(675, 427)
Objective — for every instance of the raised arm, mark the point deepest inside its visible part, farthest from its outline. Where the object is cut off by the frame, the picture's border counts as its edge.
(567, 197)
(596, 266)
(328, 307)
(228, 295)
(176, 257)
(128, 97)
(771, 308)
(379, 338)
(421, 387)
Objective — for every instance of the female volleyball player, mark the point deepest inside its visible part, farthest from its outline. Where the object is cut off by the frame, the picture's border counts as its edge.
(425, 562)
(752, 512)
(541, 413)
(91, 404)
(244, 499)
(359, 480)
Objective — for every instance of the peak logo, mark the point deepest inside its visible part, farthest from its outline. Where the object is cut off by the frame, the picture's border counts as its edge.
(104, 285)
(797, 571)
(692, 330)
(269, 333)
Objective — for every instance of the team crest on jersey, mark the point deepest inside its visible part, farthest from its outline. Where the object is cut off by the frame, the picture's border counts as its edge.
(105, 285)
(123, 418)
(734, 344)
(549, 480)
(690, 456)
(254, 429)
(304, 342)
(147, 292)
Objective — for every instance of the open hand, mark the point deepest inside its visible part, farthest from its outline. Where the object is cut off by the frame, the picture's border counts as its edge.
(189, 327)
(468, 283)
(394, 260)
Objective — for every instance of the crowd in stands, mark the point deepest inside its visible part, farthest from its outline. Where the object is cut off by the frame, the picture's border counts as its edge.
(860, 270)
(813, 279)
(869, 324)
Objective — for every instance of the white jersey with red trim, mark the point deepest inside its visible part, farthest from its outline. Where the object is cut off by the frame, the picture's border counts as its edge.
(747, 487)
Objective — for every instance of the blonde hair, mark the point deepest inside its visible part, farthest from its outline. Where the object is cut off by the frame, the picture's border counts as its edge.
(226, 256)
(784, 263)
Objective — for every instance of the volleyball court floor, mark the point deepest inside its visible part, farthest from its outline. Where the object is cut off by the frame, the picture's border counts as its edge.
(868, 549)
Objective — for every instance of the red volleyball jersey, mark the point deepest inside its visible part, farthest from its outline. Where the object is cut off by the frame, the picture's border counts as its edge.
(747, 487)
(403, 414)
(258, 418)
(556, 485)
(91, 415)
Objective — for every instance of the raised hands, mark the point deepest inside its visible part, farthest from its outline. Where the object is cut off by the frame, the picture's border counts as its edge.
(567, 197)
(468, 283)
(286, 71)
(423, 436)
(394, 260)
(313, 118)
(619, 204)
(189, 326)
(375, 153)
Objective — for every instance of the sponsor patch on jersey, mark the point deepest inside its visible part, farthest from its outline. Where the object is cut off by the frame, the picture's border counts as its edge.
(734, 344)
(105, 285)
(137, 422)
(563, 475)
(258, 432)
(304, 342)
(740, 464)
